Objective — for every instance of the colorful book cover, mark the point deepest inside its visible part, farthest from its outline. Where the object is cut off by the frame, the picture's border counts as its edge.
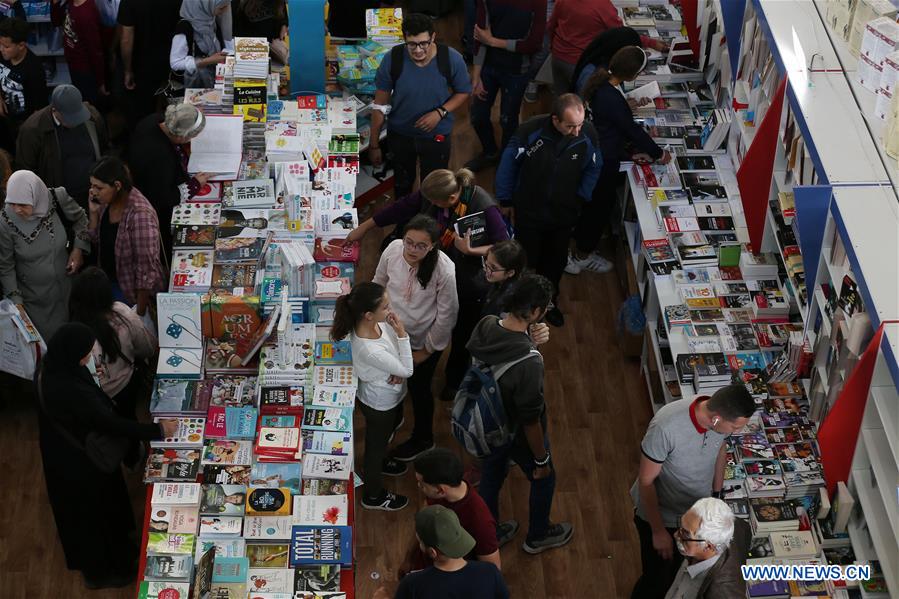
(216, 427)
(223, 547)
(327, 442)
(226, 500)
(230, 569)
(281, 400)
(174, 519)
(240, 422)
(178, 315)
(268, 501)
(227, 277)
(193, 236)
(271, 581)
(227, 475)
(334, 376)
(230, 317)
(321, 545)
(320, 486)
(268, 528)
(335, 249)
(324, 578)
(333, 352)
(250, 100)
(329, 419)
(157, 589)
(267, 555)
(278, 421)
(334, 467)
(189, 434)
(227, 452)
(171, 543)
(191, 270)
(277, 475)
(171, 464)
(169, 567)
(320, 510)
(334, 397)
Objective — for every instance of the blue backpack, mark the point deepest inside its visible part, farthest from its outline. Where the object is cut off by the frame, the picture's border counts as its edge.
(479, 420)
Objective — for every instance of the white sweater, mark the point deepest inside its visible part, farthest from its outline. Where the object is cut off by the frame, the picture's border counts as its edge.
(374, 361)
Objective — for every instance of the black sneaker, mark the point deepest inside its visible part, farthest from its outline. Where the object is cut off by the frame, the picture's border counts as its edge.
(557, 535)
(411, 449)
(482, 161)
(555, 317)
(396, 429)
(391, 467)
(388, 502)
(506, 531)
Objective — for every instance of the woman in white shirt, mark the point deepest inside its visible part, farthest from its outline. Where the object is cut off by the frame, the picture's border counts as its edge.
(382, 359)
(201, 40)
(421, 282)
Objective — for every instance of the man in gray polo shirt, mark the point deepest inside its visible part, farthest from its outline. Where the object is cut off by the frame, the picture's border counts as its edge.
(683, 460)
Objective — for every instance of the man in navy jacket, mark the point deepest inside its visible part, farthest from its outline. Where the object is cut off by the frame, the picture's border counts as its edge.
(548, 170)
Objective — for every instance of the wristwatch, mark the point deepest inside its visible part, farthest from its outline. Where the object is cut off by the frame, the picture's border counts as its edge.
(442, 111)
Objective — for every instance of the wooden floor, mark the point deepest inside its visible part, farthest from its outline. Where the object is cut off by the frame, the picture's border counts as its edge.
(598, 411)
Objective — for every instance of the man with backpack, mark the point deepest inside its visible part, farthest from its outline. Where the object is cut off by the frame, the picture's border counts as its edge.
(419, 84)
(510, 412)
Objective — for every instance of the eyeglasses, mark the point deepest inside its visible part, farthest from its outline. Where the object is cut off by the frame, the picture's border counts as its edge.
(419, 45)
(684, 535)
(489, 268)
(418, 247)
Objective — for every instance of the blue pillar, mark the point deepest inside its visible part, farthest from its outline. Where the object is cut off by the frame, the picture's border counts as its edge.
(307, 46)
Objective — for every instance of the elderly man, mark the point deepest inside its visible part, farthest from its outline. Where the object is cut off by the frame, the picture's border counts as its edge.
(714, 546)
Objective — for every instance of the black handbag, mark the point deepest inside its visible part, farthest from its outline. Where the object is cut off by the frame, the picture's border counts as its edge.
(105, 452)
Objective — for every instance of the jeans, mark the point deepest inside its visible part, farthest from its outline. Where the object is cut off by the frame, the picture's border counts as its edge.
(459, 359)
(658, 574)
(378, 428)
(546, 249)
(596, 214)
(494, 470)
(512, 86)
(539, 58)
(423, 399)
(407, 153)
(562, 75)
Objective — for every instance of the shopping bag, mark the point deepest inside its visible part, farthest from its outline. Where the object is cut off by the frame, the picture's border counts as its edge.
(21, 345)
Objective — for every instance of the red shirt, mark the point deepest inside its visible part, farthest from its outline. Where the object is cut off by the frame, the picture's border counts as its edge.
(575, 23)
(82, 41)
(476, 519)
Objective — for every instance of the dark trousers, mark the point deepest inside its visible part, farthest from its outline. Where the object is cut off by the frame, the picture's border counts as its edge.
(658, 574)
(407, 153)
(596, 214)
(378, 428)
(494, 470)
(547, 250)
(459, 359)
(423, 399)
(512, 86)
(468, 27)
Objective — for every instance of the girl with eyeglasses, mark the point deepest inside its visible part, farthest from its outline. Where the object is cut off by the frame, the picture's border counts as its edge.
(421, 283)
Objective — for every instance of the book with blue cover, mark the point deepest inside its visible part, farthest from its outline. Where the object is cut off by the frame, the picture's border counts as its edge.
(333, 352)
(230, 569)
(240, 423)
(321, 545)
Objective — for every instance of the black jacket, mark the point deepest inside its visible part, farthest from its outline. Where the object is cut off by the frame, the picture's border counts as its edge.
(615, 126)
(546, 175)
(156, 168)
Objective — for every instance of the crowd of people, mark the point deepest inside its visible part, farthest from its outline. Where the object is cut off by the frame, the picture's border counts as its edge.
(85, 231)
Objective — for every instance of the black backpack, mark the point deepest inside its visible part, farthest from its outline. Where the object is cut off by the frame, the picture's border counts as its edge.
(397, 60)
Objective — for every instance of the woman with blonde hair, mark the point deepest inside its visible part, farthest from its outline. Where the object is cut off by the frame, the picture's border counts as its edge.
(448, 196)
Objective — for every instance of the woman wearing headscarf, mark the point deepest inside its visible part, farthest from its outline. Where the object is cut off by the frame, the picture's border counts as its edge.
(35, 262)
(160, 151)
(72, 406)
(200, 38)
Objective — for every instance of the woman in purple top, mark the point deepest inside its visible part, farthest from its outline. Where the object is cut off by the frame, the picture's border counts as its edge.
(450, 197)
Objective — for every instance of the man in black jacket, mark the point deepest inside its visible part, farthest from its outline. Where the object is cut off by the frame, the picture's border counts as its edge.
(507, 344)
(547, 172)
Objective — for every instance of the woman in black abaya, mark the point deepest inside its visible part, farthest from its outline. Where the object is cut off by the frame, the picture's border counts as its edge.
(91, 507)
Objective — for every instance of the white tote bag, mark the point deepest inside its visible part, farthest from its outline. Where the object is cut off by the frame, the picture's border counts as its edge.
(21, 346)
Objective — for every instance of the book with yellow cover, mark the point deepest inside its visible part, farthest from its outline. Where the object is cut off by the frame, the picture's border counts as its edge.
(266, 501)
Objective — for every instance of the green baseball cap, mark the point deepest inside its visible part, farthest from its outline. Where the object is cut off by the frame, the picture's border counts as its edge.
(439, 527)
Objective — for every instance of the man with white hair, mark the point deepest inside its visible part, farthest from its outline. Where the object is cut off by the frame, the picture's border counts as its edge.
(714, 546)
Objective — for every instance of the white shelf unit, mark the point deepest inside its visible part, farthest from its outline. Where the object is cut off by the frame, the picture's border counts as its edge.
(865, 98)
(874, 530)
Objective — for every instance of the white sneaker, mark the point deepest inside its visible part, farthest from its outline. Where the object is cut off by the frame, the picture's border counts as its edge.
(593, 262)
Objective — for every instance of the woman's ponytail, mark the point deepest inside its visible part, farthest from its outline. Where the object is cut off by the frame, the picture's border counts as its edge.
(352, 307)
